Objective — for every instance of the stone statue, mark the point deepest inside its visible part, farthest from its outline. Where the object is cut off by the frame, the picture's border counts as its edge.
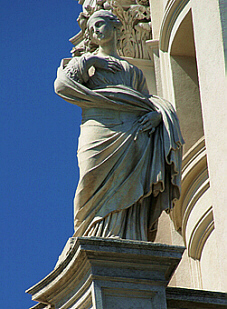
(130, 143)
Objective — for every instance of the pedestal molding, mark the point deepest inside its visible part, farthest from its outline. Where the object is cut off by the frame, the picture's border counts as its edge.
(94, 264)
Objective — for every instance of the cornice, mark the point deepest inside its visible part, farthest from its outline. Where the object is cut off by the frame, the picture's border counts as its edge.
(70, 282)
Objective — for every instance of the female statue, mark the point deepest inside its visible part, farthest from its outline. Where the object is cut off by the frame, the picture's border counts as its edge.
(130, 143)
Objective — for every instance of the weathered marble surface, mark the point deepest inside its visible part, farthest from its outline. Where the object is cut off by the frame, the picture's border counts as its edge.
(109, 273)
(136, 26)
(178, 298)
(130, 143)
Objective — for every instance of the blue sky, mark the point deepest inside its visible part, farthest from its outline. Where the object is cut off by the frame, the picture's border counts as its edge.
(38, 132)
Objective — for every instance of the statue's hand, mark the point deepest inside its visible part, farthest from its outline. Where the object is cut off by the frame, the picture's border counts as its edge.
(150, 121)
(109, 64)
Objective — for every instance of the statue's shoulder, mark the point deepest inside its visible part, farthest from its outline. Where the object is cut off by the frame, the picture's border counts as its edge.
(130, 67)
(73, 60)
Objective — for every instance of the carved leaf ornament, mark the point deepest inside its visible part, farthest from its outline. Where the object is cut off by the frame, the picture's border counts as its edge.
(136, 27)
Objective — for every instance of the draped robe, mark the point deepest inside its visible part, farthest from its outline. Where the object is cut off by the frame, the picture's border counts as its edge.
(127, 177)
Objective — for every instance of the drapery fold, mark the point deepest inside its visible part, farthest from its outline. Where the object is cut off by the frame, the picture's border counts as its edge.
(120, 166)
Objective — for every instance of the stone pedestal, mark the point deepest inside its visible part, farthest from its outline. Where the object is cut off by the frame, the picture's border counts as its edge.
(108, 273)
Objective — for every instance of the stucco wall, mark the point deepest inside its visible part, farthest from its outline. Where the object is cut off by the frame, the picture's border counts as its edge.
(194, 81)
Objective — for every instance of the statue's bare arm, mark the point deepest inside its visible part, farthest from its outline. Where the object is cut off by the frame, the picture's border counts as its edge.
(148, 121)
(98, 62)
(77, 68)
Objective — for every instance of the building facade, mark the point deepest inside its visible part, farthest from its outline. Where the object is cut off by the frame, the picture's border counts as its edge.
(180, 45)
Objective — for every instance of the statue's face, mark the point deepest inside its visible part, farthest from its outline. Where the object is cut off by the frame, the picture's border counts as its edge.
(101, 31)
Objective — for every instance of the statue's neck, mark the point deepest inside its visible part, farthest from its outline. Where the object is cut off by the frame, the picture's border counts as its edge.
(108, 51)
(109, 48)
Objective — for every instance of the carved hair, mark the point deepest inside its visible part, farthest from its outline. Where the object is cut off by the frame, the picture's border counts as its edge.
(107, 15)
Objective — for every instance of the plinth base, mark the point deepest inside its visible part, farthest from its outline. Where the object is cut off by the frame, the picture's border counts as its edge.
(106, 273)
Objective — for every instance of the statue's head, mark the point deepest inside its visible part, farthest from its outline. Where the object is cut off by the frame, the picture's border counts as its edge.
(108, 16)
(103, 26)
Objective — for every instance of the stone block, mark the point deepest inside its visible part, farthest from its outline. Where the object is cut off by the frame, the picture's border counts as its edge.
(109, 273)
